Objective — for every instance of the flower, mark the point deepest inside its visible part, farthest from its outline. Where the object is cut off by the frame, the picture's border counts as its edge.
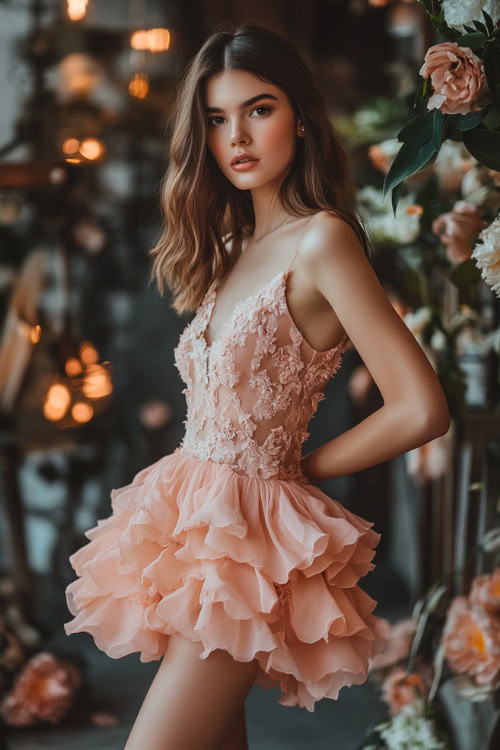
(398, 639)
(43, 689)
(90, 236)
(457, 228)
(401, 688)
(154, 414)
(460, 12)
(467, 688)
(410, 728)
(457, 76)
(401, 229)
(485, 592)
(382, 154)
(452, 163)
(471, 641)
(432, 459)
(487, 254)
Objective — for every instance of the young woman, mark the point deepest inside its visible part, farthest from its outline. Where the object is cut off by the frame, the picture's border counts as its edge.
(223, 558)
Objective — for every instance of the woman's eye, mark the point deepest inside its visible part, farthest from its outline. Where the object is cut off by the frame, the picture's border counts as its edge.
(267, 110)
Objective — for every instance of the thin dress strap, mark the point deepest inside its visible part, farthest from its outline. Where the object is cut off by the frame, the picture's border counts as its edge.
(298, 248)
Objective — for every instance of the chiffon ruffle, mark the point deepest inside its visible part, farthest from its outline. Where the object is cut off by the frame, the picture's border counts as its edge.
(263, 568)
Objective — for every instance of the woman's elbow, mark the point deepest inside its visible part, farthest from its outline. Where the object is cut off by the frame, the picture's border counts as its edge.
(436, 422)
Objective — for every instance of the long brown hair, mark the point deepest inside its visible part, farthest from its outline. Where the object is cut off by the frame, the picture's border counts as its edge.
(201, 207)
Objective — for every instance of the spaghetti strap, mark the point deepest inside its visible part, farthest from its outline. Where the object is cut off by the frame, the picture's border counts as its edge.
(297, 250)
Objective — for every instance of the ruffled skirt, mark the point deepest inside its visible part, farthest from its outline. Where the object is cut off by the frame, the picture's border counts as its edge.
(263, 568)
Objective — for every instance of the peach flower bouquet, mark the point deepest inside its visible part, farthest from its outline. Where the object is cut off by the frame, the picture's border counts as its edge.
(454, 638)
(458, 99)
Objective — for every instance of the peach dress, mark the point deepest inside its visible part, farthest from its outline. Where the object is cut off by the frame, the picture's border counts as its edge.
(225, 540)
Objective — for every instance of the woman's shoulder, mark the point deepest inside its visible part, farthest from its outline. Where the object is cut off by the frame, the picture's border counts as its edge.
(325, 230)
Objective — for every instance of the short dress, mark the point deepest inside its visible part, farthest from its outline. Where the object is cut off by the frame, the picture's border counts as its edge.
(225, 540)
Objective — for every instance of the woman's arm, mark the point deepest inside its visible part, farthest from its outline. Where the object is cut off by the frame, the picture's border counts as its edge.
(415, 408)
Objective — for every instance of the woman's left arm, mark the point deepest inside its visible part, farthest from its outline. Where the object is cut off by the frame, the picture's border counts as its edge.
(415, 409)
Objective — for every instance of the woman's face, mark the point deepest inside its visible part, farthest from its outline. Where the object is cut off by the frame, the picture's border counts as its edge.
(266, 127)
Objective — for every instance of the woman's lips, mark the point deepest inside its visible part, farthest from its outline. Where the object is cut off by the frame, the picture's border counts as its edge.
(245, 165)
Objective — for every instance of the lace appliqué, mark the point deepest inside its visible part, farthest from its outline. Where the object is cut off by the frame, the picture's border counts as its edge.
(251, 394)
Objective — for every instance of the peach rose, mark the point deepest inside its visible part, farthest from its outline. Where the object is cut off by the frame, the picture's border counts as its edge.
(485, 592)
(457, 76)
(457, 229)
(401, 688)
(44, 689)
(471, 641)
(397, 644)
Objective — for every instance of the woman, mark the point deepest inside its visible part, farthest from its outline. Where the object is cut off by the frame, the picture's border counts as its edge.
(223, 557)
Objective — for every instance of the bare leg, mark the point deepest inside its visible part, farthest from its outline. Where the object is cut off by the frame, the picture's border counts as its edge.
(192, 702)
(236, 737)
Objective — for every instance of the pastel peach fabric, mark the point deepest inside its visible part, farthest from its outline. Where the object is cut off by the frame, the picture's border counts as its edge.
(225, 540)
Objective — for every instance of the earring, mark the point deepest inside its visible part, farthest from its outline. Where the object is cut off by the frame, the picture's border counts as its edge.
(302, 128)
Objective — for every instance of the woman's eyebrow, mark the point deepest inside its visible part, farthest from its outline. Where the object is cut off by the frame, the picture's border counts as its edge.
(247, 103)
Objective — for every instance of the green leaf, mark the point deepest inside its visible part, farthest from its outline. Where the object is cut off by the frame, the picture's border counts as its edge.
(431, 601)
(437, 128)
(469, 28)
(418, 130)
(438, 662)
(480, 26)
(489, 22)
(468, 121)
(395, 196)
(484, 145)
(407, 162)
(492, 118)
(491, 59)
(474, 40)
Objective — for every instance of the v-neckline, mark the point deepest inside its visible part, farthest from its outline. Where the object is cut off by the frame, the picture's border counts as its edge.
(242, 302)
(209, 305)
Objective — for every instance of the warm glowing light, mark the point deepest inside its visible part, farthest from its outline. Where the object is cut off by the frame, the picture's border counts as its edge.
(70, 145)
(88, 353)
(82, 412)
(35, 334)
(139, 86)
(97, 382)
(56, 402)
(73, 159)
(73, 366)
(91, 148)
(77, 9)
(139, 40)
(153, 40)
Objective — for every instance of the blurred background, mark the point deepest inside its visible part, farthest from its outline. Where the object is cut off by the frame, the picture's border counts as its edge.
(89, 394)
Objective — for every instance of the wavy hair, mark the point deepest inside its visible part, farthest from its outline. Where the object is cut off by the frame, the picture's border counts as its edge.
(200, 206)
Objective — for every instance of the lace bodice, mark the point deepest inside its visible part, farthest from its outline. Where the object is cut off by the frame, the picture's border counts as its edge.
(251, 394)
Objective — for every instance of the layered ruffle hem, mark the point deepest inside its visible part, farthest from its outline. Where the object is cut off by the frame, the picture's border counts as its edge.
(263, 568)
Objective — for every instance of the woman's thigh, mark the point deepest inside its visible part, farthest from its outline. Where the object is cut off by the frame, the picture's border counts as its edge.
(191, 702)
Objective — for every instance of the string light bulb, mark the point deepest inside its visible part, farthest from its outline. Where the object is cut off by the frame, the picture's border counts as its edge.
(139, 86)
(151, 40)
(76, 9)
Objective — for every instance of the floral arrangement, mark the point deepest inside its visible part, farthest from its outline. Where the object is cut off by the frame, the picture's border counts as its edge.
(459, 96)
(36, 685)
(447, 637)
(442, 231)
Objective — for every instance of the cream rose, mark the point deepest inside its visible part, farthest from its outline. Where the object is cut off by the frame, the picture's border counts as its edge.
(457, 77)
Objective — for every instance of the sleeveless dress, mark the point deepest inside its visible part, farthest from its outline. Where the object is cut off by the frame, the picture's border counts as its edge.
(225, 540)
